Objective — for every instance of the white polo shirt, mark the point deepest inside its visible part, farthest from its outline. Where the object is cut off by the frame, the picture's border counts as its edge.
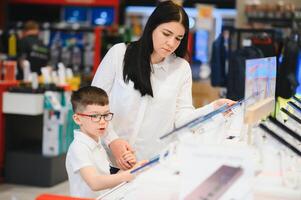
(84, 152)
(142, 120)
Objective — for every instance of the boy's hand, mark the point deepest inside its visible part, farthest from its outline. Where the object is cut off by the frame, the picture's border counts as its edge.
(139, 164)
(118, 147)
(128, 176)
(129, 157)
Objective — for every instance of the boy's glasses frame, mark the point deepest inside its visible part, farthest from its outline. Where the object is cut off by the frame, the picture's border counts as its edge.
(97, 117)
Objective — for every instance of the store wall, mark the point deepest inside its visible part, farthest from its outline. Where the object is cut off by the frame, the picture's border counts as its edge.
(240, 6)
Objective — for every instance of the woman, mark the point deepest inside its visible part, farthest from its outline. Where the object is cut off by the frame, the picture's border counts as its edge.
(149, 84)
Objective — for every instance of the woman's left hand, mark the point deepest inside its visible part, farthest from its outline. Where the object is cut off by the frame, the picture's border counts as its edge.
(220, 102)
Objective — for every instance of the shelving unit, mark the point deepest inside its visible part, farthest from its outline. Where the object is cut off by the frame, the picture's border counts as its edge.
(4, 85)
(24, 162)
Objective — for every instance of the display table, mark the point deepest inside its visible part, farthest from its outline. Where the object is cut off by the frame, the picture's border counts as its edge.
(24, 162)
(4, 85)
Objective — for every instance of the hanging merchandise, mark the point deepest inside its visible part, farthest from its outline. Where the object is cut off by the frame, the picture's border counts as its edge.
(298, 90)
(242, 44)
(88, 53)
(286, 73)
(76, 58)
(66, 56)
(88, 58)
(231, 50)
(265, 43)
(45, 36)
(237, 68)
(219, 60)
(55, 49)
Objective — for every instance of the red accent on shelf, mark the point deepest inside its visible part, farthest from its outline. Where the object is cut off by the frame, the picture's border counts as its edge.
(4, 85)
(70, 2)
(97, 47)
(57, 197)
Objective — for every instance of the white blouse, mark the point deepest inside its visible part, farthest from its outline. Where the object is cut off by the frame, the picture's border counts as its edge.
(142, 120)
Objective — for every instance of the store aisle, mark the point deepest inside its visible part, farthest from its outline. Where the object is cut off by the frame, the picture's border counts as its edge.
(21, 192)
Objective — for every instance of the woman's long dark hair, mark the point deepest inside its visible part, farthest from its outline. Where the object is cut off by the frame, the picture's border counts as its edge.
(137, 67)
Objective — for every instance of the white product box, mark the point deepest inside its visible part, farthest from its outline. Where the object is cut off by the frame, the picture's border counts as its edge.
(51, 138)
(23, 103)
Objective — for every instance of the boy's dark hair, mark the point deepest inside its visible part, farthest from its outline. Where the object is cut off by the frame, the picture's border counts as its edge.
(137, 67)
(88, 95)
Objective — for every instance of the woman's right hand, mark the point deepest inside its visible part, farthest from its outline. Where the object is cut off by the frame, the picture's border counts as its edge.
(220, 102)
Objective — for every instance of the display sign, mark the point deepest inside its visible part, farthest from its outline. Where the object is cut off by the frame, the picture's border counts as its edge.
(260, 78)
(73, 14)
(201, 46)
(103, 16)
(205, 16)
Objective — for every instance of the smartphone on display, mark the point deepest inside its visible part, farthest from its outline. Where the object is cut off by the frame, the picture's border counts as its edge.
(216, 184)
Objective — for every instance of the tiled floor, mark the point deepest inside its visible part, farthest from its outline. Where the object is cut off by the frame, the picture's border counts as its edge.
(21, 192)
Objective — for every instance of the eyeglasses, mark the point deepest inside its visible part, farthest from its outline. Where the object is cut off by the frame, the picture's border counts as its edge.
(97, 117)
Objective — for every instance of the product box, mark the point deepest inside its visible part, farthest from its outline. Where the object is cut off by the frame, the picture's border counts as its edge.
(23, 103)
(58, 123)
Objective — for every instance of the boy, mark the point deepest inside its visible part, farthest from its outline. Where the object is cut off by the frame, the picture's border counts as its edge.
(86, 162)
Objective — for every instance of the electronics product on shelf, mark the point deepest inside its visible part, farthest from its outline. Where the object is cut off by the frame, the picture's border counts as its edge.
(152, 161)
(216, 184)
(197, 120)
(291, 115)
(201, 119)
(280, 139)
(295, 106)
(297, 100)
(285, 128)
